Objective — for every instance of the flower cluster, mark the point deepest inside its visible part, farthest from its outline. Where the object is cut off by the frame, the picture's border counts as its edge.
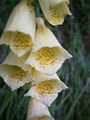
(36, 55)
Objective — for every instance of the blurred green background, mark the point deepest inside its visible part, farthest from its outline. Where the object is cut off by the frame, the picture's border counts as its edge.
(74, 35)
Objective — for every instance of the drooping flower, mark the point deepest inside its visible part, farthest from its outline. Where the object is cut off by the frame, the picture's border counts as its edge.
(14, 72)
(55, 10)
(47, 55)
(38, 111)
(45, 88)
(20, 28)
(14, 76)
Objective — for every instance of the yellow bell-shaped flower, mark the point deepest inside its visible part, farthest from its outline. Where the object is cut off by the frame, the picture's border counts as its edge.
(14, 72)
(20, 28)
(47, 54)
(45, 88)
(55, 10)
(14, 76)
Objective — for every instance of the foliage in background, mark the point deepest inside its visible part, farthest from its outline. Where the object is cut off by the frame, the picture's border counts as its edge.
(71, 104)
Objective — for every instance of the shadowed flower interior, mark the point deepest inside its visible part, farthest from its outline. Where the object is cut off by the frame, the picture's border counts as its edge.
(19, 43)
(46, 56)
(58, 12)
(46, 91)
(55, 11)
(16, 74)
(46, 87)
(47, 60)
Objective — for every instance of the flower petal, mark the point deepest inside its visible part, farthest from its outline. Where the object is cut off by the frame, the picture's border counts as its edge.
(39, 76)
(12, 59)
(20, 29)
(14, 76)
(55, 10)
(37, 110)
(5, 38)
(46, 91)
(44, 36)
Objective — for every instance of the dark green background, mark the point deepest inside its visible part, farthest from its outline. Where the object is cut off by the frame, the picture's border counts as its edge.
(74, 35)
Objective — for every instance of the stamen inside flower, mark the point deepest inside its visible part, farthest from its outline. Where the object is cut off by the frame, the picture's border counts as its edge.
(58, 12)
(16, 74)
(46, 87)
(46, 56)
(21, 42)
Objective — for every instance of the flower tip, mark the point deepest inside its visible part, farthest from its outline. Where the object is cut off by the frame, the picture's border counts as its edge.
(65, 87)
(27, 94)
(70, 56)
(69, 12)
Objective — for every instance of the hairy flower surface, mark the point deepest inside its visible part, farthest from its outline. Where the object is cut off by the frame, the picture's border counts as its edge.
(38, 111)
(47, 55)
(55, 10)
(20, 29)
(45, 90)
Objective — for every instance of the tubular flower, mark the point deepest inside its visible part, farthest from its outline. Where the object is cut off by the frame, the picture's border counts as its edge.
(20, 29)
(38, 111)
(47, 55)
(45, 90)
(14, 72)
(14, 76)
(55, 10)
